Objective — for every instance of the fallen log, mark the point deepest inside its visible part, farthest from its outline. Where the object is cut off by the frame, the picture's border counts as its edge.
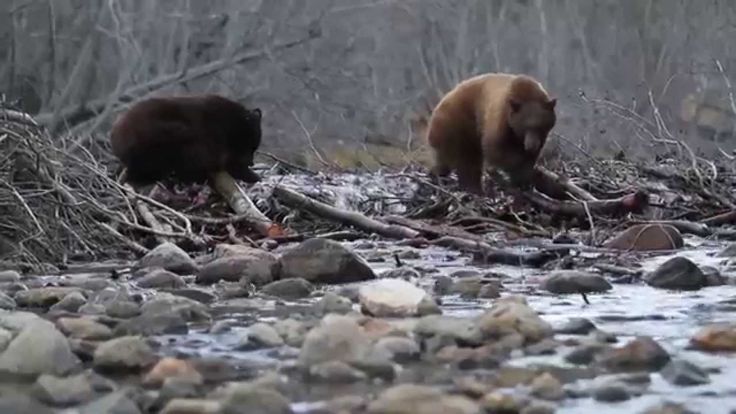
(484, 253)
(225, 185)
(728, 217)
(358, 220)
(551, 183)
(630, 203)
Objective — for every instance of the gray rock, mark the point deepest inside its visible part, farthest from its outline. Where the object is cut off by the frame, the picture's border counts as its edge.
(84, 328)
(292, 331)
(6, 302)
(16, 403)
(170, 257)
(256, 401)
(192, 406)
(324, 261)
(295, 288)
(511, 315)
(39, 349)
(410, 399)
(5, 338)
(261, 335)
(92, 309)
(160, 278)
(585, 354)
(257, 269)
(538, 408)
(573, 281)
(168, 304)
(70, 303)
(124, 354)
(728, 251)
(336, 338)
(123, 309)
(149, 324)
(669, 407)
(335, 372)
(442, 285)
(114, 403)
(463, 330)
(641, 354)
(547, 387)
(9, 276)
(396, 349)
(16, 320)
(403, 272)
(63, 391)
(684, 373)
(612, 392)
(678, 273)
(576, 326)
(333, 303)
(198, 295)
(44, 297)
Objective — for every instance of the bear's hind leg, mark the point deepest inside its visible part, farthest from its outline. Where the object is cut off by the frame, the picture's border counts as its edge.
(470, 176)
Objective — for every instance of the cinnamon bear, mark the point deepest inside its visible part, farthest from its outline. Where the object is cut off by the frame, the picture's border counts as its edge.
(189, 137)
(495, 118)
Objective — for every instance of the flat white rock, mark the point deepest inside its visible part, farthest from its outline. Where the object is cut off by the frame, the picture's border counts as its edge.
(390, 298)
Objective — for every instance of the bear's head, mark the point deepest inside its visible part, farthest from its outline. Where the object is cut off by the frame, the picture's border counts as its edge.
(531, 122)
(247, 136)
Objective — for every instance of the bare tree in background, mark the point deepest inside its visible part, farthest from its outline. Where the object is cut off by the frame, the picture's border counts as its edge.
(355, 72)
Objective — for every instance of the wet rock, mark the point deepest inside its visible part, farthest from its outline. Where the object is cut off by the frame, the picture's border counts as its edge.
(547, 387)
(669, 408)
(117, 402)
(611, 392)
(467, 288)
(192, 406)
(228, 250)
(261, 335)
(5, 338)
(63, 391)
(641, 354)
(585, 354)
(69, 303)
(123, 309)
(176, 388)
(9, 276)
(169, 257)
(573, 281)
(324, 261)
(336, 338)
(490, 291)
(295, 288)
(410, 399)
(677, 273)
(715, 338)
(127, 353)
(333, 303)
(538, 408)
(92, 309)
(403, 272)
(391, 298)
(728, 251)
(292, 331)
(442, 285)
(500, 402)
(254, 400)
(512, 315)
(6, 302)
(335, 372)
(159, 279)
(576, 326)
(376, 368)
(39, 348)
(198, 295)
(16, 403)
(643, 237)
(84, 328)
(153, 324)
(463, 331)
(167, 304)
(44, 297)
(684, 373)
(546, 346)
(713, 276)
(172, 368)
(396, 349)
(254, 268)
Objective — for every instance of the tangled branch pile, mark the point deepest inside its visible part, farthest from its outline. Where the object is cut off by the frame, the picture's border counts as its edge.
(58, 205)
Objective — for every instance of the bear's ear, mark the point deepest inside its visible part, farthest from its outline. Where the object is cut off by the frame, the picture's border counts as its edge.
(257, 112)
(514, 104)
(551, 104)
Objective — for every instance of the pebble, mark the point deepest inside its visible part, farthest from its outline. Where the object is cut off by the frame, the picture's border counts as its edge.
(391, 298)
(124, 354)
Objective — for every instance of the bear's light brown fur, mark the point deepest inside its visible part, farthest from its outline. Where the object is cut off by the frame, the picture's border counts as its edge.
(499, 119)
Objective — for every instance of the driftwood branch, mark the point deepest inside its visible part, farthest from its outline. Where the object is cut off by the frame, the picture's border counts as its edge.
(630, 203)
(236, 198)
(358, 220)
(550, 182)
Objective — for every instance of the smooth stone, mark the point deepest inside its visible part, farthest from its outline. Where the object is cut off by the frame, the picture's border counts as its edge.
(170, 257)
(324, 261)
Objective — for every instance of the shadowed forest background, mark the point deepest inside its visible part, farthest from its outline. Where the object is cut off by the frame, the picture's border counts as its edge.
(336, 76)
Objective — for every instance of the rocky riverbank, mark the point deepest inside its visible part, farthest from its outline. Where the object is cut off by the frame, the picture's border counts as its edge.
(327, 327)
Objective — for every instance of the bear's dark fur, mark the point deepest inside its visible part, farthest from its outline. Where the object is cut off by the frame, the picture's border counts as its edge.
(190, 137)
(499, 119)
